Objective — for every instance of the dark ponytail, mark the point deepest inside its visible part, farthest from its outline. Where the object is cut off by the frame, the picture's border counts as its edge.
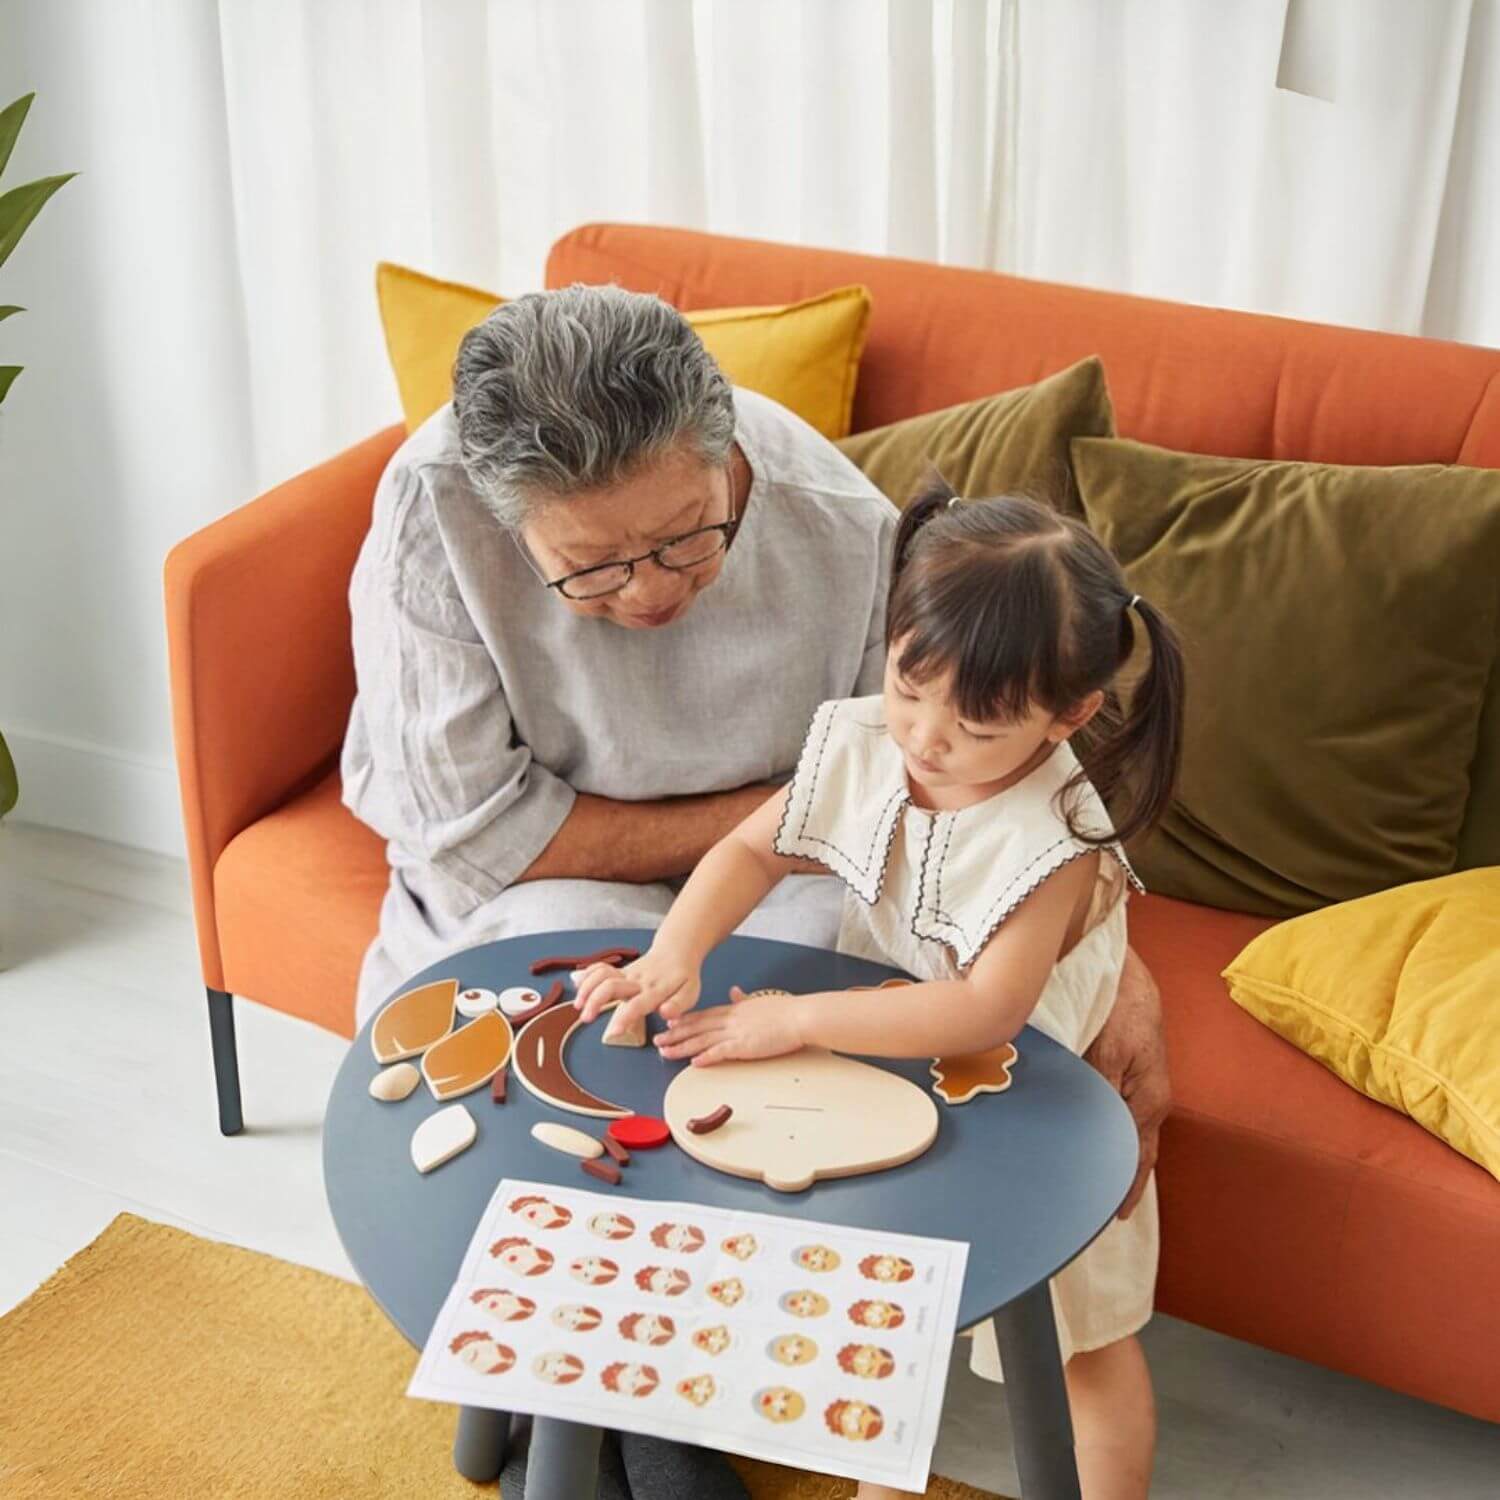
(1134, 756)
(929, 502)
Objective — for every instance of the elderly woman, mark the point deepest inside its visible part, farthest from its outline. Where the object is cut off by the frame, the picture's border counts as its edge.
(601, 597)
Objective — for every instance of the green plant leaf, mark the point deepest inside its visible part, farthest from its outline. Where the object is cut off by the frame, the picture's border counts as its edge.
(21, 205)
(11, 119)
(5, 312)
(9, 787)
(8, 375)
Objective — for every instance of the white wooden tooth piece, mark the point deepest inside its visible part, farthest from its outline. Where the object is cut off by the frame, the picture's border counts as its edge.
(442, 1136)
(565, 1138)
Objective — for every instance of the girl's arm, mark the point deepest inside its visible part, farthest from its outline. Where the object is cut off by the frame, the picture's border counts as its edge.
(730, 881)
(987, 1007)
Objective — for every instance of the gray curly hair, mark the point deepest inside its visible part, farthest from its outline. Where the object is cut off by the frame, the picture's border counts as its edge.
(573, 389)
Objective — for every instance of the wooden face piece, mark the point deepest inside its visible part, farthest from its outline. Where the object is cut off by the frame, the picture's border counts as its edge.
(412, 1022)
(959, 1079)
(797, 1118)
(469, 1058)
(539, 1063)
(630, 1034)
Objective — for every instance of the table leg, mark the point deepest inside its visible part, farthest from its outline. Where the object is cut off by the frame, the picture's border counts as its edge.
(1037, 1396)
(563, 1461)
(479, 1444)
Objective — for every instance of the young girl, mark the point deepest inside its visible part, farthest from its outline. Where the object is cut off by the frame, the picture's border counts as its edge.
(978, 856)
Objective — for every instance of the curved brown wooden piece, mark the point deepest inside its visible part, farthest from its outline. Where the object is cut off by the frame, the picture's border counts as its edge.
(539, 1061)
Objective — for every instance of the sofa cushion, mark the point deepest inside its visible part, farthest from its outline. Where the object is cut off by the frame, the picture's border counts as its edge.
(1340, 626)
(804, 355)
(297, 901)
(1296, 1212)
(1015, 441)
(1396, 996)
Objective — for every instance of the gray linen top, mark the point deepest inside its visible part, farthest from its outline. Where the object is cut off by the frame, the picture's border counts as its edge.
(484, 704)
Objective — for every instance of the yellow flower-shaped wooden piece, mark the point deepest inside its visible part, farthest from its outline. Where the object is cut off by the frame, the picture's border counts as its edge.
(958, 1079)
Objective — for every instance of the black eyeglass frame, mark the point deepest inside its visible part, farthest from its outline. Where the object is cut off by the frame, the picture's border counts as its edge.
(727, 530)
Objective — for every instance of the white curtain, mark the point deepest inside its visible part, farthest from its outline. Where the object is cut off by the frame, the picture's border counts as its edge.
(1329, 159)
(201, 315)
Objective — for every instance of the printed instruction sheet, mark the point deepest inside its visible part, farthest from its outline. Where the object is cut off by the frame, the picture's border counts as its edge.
(806, 1344)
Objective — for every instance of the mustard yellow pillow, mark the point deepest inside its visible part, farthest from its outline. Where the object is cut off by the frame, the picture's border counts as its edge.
(804, 355)
(1399, 994)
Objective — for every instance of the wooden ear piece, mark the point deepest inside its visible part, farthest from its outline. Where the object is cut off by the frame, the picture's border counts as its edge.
(959, 1079)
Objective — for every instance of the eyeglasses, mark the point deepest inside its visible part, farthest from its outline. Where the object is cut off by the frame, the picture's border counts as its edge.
(679, 554)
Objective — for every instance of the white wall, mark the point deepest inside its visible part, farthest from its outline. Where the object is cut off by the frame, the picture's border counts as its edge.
(108, 448)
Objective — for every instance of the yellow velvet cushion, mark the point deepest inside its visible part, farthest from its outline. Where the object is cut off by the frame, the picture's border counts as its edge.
(804, 355)
(1399, 994)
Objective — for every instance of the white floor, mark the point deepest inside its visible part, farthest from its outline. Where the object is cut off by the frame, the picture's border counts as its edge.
(106, 1104)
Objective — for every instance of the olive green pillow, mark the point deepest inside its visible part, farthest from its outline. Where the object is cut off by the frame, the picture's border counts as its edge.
(1017, 440)
(1339, 625)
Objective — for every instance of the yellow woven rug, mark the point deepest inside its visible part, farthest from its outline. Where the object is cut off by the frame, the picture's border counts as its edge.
(157, 1364)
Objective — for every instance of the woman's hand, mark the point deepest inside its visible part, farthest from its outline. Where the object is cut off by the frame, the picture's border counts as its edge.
(661, 979)
(762, 1026)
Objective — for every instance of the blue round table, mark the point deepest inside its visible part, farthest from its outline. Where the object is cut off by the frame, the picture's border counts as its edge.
(1028, 1177)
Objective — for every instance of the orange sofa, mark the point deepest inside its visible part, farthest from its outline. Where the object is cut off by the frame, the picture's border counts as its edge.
(1296, 1213)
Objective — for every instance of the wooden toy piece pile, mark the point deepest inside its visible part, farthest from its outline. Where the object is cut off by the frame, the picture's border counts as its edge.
(519, 1028)
(523, 1030)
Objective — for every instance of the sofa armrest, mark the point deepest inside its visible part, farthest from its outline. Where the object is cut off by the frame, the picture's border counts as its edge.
(262, 672)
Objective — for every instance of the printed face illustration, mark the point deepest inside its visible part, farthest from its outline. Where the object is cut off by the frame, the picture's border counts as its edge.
(728, 1292)
(503, 1305)
(685, 1239)
(714, 1340)
(630, 1380)
(522, 1257)
(577, 1317)
(855, 1420)
(540, 1213)
(876, 1314)
(593, 1270)
(483, 1354)
(665, 1281)
(647, 1328)
(612, 1226)
(793, 1349)
(740, 1246)
(805, 1304)
(868, 1361)
(886, 1268)
(817, 1258)
(557, 1368)
(780, 1403)
(699, 1390)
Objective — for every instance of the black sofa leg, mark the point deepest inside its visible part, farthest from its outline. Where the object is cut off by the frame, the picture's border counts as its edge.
(226, 1061)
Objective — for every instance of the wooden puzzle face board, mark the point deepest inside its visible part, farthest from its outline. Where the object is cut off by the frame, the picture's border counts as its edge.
(806, 1344)
(797, 1118)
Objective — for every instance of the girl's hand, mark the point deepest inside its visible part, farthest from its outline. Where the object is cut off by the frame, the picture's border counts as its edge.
(766, 1026)
(659, 980)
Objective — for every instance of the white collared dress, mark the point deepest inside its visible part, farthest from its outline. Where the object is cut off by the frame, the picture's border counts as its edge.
(925, 891)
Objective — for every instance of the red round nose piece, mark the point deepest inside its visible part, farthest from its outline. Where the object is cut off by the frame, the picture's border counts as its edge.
(640, 1132)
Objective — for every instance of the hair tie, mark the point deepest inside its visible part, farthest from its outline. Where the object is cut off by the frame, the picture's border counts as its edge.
(1134, 600)
(954, 501)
